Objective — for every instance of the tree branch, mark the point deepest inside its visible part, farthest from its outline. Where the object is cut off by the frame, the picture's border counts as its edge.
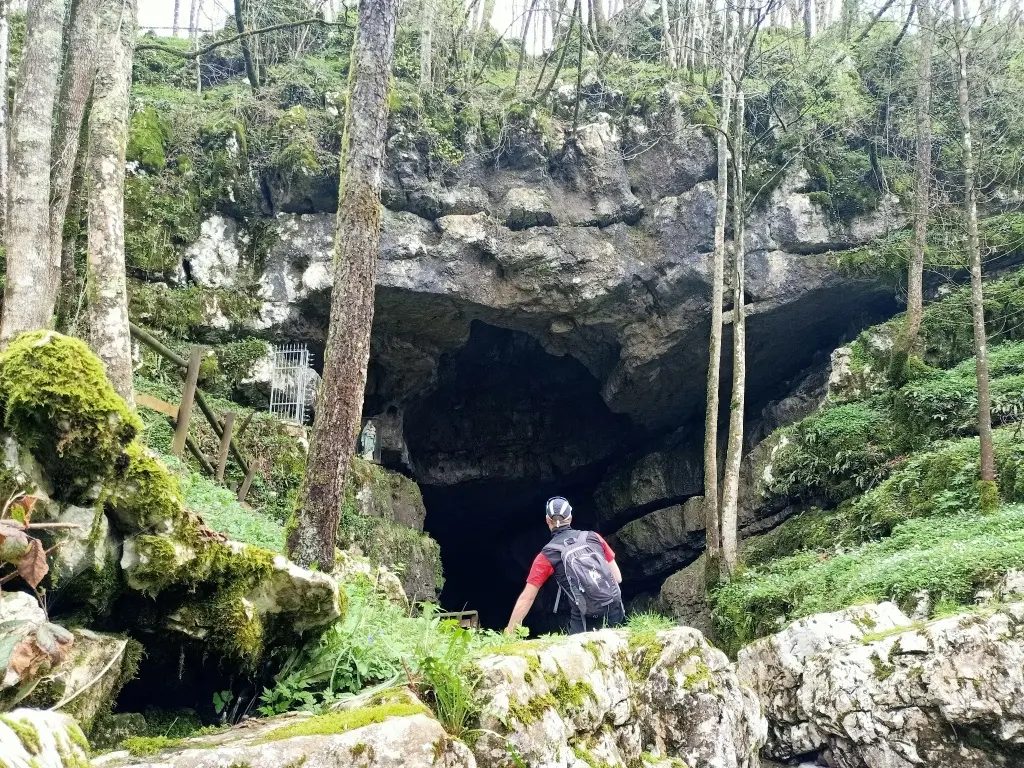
(234, 38)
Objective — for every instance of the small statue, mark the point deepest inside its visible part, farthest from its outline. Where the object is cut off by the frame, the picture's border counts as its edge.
(368, 441)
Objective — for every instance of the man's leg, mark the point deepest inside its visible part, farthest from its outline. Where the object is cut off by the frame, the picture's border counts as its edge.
(576, 623)
(614, 615)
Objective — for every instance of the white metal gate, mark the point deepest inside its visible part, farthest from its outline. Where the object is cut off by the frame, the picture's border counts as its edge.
(293, 383)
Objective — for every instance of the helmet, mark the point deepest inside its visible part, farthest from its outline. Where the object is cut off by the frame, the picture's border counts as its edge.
(558, 508)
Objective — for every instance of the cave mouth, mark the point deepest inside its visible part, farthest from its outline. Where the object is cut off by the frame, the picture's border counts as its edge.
(508, 426)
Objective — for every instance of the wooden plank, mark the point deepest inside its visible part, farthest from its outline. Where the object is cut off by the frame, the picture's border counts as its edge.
(225, 444)
(244, 490)
(245, 424)
(187, 398)
(156, 404)
(218, 431)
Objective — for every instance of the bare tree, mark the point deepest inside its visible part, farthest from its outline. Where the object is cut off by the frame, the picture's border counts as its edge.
(250, 68)
(713, 523)
(922, 173)
(734, 450)
(108, 137)
(78, 73)
(5, 37)
(177, 14)
(338, 416)
(426, 47)
(989, 492)
(30, 292)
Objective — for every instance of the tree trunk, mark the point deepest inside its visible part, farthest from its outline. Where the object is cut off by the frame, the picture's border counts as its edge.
(714, 533)
(177, 14)
(488, 13)
(30, 292)
(809, 20)
(108, 137)
(988, 489)
(80, 61)
(426, 45)
(5, 38)
(339, 412)
(193, 21)
(922, 173)
(250, 68)
(666, 37)
(734, 450)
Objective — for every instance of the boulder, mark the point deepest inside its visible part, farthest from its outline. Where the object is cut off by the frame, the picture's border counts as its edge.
(214, 260)
(683, 597)
(33, 739)
(381, 736)
(869, 688)
(610, 697)
(86, 683)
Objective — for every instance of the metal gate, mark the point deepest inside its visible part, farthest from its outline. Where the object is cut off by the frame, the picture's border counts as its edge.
(293, 383)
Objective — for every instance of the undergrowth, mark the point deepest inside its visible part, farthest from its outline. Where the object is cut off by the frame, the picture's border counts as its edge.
(950, 557)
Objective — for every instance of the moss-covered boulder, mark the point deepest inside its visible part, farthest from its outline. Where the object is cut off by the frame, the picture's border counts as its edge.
(55, 400)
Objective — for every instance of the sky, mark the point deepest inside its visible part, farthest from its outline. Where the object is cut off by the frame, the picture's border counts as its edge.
(160, 13)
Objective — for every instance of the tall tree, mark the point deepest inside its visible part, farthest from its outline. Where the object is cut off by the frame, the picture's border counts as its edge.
(108, 138)
(809, 21)
(426, 44)
(177, 15)
(729, 517)
(30, 292)
(989, 492)
(339, 409)
(243, 40)
(5, 38)
(922, 192)
(78, 73)
(713, 523)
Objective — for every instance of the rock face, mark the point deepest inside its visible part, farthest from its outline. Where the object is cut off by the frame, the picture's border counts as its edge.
(869, 688)
(33, 739)
(606, 698)
(411, 740)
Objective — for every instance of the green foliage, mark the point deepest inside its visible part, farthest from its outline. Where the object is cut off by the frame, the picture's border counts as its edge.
(949, 556)
(377, 643)
(814, 529)
(843, 182)
(648, 621)
(57, 402)
(833, 454)
(945, 403)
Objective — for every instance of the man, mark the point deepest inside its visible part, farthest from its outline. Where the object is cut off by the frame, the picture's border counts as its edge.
(583, 565)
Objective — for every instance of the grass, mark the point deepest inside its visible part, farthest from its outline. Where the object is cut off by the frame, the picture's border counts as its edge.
(949, 557)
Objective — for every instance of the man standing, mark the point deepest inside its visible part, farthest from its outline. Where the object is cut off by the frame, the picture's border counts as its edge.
(583, 565)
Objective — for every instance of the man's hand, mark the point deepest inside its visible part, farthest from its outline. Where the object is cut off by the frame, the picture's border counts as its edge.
(522, 607)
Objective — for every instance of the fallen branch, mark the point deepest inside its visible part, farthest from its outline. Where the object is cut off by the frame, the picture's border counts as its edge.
(234, 38)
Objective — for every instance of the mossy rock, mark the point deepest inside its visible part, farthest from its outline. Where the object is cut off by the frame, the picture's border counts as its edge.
(56, 401)
(147, 136)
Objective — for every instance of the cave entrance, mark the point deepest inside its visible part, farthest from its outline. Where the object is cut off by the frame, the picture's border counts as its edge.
(508, 426)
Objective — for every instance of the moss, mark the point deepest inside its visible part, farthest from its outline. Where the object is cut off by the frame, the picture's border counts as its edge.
(26, 733)
(532, 710)
(814, 529)
(699, 677)
(883, 670)
(147, 137)
(57, 402)
(147, 498)
(571, 694)
(144, 746)
(340, 722)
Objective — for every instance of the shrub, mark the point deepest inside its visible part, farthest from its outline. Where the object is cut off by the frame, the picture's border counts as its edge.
(833, 454)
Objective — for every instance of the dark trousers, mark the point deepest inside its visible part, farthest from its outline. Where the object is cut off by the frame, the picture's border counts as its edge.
(612, 616)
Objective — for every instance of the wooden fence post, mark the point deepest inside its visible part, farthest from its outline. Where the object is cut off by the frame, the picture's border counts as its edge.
(225, 444)
(244, 490)
(187, 398)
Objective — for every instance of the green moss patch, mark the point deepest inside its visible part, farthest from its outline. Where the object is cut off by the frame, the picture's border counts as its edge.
(340, 722)
(26, 733)
(57, 402)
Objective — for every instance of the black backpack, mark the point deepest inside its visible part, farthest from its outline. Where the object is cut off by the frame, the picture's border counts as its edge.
(591, 586)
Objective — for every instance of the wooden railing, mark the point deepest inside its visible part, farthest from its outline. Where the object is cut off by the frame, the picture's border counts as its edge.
(180, 415)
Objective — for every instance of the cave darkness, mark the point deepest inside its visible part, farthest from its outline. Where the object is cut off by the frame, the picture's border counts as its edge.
(507, 427)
